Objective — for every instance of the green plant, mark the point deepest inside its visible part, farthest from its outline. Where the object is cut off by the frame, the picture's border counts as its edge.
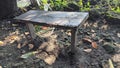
(58, 4)
(106, 7)
(84, 6)
(113, 8)
(54, 4)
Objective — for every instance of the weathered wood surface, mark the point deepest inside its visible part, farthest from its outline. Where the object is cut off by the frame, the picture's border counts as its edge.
(31, 30)
(69, 19)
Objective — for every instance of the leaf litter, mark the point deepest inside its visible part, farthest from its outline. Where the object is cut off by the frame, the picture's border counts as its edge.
(94, 54)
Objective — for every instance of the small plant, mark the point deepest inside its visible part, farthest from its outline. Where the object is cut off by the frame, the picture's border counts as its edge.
(104, 7)
(58, 4)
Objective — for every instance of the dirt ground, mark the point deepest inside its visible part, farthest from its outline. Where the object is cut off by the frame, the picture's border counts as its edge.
(53, 47)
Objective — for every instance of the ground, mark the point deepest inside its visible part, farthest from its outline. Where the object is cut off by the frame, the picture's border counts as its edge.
(98, 42)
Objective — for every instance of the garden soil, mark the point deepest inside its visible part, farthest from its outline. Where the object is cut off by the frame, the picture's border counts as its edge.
(98, 42)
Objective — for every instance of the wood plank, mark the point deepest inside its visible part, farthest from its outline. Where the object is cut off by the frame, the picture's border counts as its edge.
(69, 19)
(73, 40)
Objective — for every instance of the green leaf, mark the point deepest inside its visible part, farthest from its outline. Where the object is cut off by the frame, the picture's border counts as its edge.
(29, 54)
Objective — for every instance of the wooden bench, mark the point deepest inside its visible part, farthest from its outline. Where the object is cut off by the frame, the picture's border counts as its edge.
(58, 19)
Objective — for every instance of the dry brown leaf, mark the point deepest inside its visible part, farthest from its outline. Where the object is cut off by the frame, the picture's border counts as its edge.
(44, 27)
(94, 44)
(50, 59)
(12, 41)
(0, 66)
(118, 34)
(50, 47)
(87, 40)
(30, 46)
(1, 43)
(19, 45)
(14, 37)
(41, 55)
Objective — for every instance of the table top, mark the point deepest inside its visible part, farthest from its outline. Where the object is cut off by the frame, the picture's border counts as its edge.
(59, 18)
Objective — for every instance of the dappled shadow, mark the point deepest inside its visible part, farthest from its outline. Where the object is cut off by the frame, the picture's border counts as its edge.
(105, 32)
(100, 31)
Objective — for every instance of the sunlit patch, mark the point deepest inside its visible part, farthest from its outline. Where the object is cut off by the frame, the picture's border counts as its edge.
(95, 25)
(118, 34)
(86, 25)
(1, 43)
(104, 27)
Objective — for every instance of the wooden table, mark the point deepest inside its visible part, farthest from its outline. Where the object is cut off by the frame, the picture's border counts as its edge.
(58, 19)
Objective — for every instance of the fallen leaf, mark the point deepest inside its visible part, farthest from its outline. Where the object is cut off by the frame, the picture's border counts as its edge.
(110, 63)
(26, 33)
(12, 41)
(116, 57)
(44, 27)
(1, 43)
(94, 44)
(50, 47)
(87, 50)
(19, 45)
(87, 40)
(26, 55)
(41, 55)
(92, 31)
(14, 37)
(50, 59)
(30, 46)
(118, 34)
(100, 40)
(0, 66)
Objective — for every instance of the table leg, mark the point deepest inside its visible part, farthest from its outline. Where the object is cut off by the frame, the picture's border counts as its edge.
(73, 40)
(31, 30)
(73, 46)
